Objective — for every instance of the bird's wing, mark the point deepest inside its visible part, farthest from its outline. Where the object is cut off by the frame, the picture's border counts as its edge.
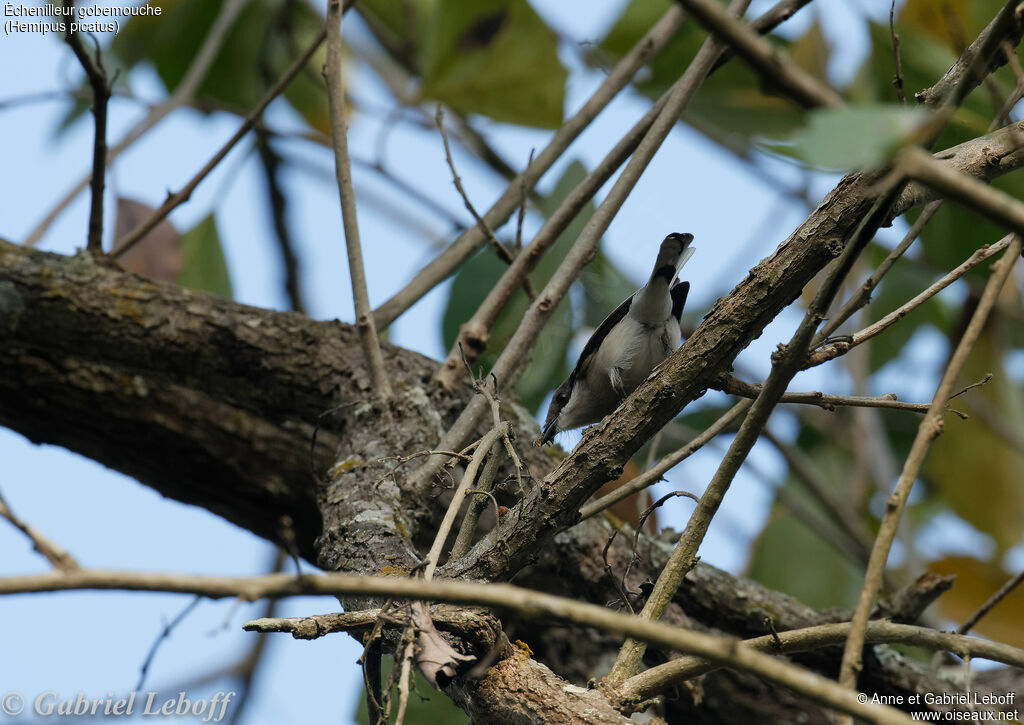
(599, 335)
(679, 292)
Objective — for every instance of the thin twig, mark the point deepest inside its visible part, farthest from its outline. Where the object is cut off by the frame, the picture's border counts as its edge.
(992, 203)
(183, 95)
(405, 674)
(863, 294)
(841, 346)
(97, 76)
(927, 431)
(459, 496)
(762, 56)
(734, 386)
(184, 194)
(270, 160)
(897, 79)
(839, 514)
(785, 365)
(503, 254)
(522, 210)
(509, 366)
(468, 527)
(1018, 90)
(992, 601)
(54, 554)
(977, 61)
(530, 604)
(343, 170)
(656, 679)
(655, 473)
(164, 634)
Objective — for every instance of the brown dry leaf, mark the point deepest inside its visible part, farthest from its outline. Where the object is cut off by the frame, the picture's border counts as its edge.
(158, 255)
(976, 581)
(435, 658)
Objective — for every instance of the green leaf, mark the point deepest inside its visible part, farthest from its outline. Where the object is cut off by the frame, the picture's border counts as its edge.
(845, 138)
(426, 705)
(733, 99)
(205, 267)
(496, 58)
(261, 44)
(604, 286)
(790, 557)
(475, 279)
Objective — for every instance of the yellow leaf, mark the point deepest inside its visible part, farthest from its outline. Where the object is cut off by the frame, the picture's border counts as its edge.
(976, 581)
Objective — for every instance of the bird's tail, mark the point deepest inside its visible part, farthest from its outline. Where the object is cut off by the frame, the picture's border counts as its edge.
(675, 251)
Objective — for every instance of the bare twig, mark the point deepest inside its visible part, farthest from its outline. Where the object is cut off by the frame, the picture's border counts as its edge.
(522, 210)
(472, 239)
(320, 625)
(405, 672)
(839, 347)
(57, 556)
(97, 76)
(508, 366)
(492, 437)
(183, 94)
(988, 201)
(1018, 91)
(180, 197)
(734, 386)
(762, 56)
(164, 634)
(656, 679)
(343, 170)
(654, 474)
(503, 254)
(476, 507)
(897, 80)
(927, 431)
(863, 294)
(530, 604)
(270, 160)
(978, 60)
(991, 602)
(840, 515)
(784, 366)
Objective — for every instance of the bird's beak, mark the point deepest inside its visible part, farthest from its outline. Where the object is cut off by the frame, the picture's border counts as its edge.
(550, 429)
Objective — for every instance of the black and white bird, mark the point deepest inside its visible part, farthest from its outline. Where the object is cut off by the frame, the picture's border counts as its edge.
(633, 340)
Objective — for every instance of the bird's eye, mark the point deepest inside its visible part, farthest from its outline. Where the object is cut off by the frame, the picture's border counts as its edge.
(562, 398)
